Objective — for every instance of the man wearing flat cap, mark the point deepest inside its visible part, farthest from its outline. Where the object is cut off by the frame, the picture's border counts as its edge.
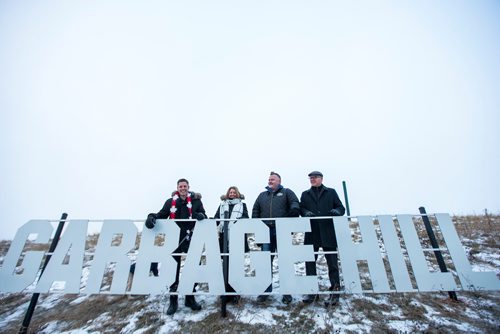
(321, 201)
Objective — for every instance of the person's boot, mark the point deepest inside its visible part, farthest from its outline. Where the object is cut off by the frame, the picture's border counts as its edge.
(191, 303)
(332, 300)
(287, 299)
(230, 299)
(262, 298)
(308, 299)
(172, 308)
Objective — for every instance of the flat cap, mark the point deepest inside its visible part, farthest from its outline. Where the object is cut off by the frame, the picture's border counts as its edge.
(315, 173)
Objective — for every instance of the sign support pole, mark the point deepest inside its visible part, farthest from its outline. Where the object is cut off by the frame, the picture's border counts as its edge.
(34, 298)
(434, 243)
(346, 199)
(225, 264)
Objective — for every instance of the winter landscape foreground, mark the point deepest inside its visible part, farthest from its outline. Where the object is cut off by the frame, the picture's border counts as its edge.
(475, 312)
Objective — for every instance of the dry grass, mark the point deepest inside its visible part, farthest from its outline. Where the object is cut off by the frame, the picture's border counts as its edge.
(106, 314)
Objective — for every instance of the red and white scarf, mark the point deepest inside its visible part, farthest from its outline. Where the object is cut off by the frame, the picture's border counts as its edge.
(173, 208)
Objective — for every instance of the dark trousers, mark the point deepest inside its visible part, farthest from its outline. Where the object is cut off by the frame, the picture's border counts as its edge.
(333, 266)
(272, 246)
(228, 287)
(153, 268)
(183, 248)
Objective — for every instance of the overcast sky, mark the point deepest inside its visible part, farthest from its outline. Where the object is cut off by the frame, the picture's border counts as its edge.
(105, 104)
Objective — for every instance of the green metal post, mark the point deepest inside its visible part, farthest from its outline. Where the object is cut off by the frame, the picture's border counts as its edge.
(346, 199)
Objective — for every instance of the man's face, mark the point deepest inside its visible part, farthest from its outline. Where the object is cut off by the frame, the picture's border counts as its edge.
(316, 181)
(273, 182)
(183, 188)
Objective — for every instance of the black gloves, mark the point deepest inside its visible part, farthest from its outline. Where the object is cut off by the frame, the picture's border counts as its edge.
(294, 212)
(309, 214)
(335, 212)
(200, 216)
(151, 221)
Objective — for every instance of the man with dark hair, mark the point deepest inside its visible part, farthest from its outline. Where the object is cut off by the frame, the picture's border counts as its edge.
(182, 205)
(275, 202)
(321, 201)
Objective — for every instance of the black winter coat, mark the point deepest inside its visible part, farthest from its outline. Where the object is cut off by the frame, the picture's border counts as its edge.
(281, 203)
(183, 213)
(323, 202)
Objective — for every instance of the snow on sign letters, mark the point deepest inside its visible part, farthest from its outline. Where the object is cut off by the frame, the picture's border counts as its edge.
(392, 249)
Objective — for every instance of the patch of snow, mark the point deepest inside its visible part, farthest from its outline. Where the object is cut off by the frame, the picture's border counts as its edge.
(80, 299)
(16, 313)
(50, 328)
(131, 324)
(401, 326)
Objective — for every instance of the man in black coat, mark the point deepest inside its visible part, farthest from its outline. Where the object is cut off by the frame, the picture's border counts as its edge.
(321, 201)
(182, 205)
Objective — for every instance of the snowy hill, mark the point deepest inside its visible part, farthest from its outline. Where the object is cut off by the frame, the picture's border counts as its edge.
(476, 312)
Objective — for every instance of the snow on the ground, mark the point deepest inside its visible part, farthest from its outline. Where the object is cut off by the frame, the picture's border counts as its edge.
(476, 312)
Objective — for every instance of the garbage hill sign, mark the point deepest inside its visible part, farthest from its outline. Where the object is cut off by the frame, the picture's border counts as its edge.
(395, 255)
